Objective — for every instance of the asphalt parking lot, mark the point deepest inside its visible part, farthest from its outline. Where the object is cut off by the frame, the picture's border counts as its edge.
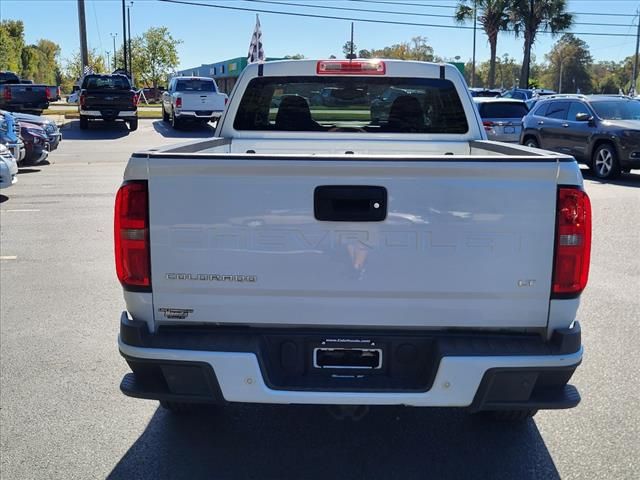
(63, 416)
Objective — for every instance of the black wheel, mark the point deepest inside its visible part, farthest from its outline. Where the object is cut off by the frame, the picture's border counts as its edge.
(178, 407)
(165, 115)
(175, 123)
(531, 142)
(133, 124)
(605, 163)
(84, 123)
(512, 415)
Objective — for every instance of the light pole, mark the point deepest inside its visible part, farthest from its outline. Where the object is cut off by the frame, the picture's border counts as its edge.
(108, 59)
(115, 56)
(129, 39)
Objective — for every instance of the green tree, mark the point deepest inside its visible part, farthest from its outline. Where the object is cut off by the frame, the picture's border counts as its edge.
(493, 16)
(49, 71)
(569, 65)
(154, 57)
(364, 54)
(508, 70)
(347, 47)
(73, 69)
(528, 17)
(295, 56)
(11, 45)
(416, 49)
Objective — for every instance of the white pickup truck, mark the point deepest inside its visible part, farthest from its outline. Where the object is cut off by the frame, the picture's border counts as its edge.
(192, 99)
(308, 256)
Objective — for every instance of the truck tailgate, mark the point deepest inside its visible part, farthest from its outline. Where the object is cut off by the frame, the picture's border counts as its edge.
(202, 101)
(463, 244)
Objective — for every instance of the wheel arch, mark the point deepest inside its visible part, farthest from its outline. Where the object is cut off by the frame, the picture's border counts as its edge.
(601, 141)
(530, 134)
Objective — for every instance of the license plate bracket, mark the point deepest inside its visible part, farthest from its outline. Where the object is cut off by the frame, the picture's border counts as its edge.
(347, 358)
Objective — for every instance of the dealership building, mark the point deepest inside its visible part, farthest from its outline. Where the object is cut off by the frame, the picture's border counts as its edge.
(225, 73)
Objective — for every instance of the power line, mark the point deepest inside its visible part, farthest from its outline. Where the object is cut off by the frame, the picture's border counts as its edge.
(389, 2)
(352, 9)
(404, 4)
(388, 12)
(364, 20)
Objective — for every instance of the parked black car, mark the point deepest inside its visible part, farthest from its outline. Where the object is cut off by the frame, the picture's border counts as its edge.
(18, 96)
(602, 131)
(108, 98)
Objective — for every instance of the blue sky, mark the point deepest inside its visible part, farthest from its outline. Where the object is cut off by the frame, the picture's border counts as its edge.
(211, 34)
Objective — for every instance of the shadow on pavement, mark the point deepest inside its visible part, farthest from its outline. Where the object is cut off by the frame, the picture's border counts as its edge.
(28, 170)
(626, 179)
(97, 130)
(3, 198)
(306, 442)
(188, 130)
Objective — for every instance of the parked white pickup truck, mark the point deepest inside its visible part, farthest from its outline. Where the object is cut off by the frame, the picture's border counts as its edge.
(192, 99)
(307, 256)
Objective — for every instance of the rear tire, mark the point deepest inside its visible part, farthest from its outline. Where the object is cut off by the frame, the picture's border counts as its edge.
(605, 164)
(531, 142)
(84, 123)
(512, 415)
(175, 123)
(165, 115)
(133, 124)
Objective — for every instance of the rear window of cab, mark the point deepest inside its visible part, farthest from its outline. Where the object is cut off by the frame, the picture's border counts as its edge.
(351, 104)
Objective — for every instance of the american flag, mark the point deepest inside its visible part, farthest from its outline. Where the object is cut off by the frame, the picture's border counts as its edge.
(256, 52)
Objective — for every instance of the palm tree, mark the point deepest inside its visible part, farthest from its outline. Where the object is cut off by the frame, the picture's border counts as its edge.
(528, 17)
(493, 16)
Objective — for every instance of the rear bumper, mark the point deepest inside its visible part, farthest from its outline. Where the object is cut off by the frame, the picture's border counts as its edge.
(479, 371)
(109, 115)
(198, 114)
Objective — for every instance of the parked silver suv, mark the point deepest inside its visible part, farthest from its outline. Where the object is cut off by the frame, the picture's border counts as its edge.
(602, 131)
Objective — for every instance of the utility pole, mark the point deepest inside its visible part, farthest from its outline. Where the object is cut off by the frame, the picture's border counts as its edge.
(84, 53)
(108, 59)
(115, 52)
(129, 39)
(635, 63)
(560, 80)
(124, 39)
(473, 62)
(351, 57)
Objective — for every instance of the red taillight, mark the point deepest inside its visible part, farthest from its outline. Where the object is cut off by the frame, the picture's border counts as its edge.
(83, 100)
(573, 242)
(7, 93)
(47, 92)
(488, 125)
(226, 100)
(131, 233)
(354, 67)
(134, 100)
(178, 102)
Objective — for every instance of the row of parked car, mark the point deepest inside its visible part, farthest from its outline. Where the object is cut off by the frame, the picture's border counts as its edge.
(25, 139)
(601, 131)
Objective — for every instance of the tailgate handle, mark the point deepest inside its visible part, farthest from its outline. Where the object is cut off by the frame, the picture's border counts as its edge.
(350, 203)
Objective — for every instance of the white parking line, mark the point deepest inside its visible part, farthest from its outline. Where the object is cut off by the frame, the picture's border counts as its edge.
(8, 257)
(21, 210)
